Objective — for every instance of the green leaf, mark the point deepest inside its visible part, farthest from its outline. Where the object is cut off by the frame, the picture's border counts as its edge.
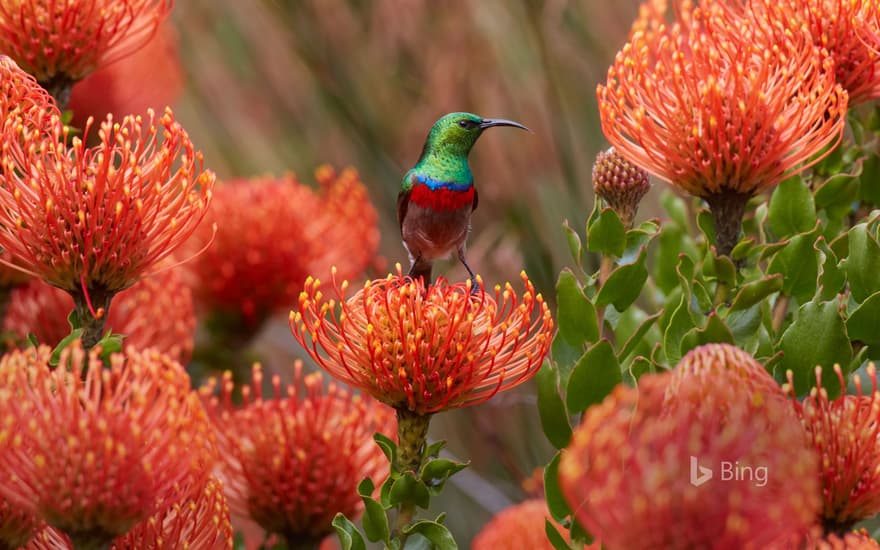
(831, 276)
(374, 520)
(722, 268)
(707, 226)
(110, 344)
(432, 450)
(75, 334)
(792, 209)
(863, 263)
(388, 446)
(715, 331)
(409, 490)
(554, 537)
(349, 536)
(73, 321)
(607, 234)
(593, 378)
(816, 337)
(435, 532)
(870, 191)
(556, 503)
(575, 315)
(575, 248)
(753, 292)
(564, 356)
(640, 365)
(624, 285)
(676, 208)
(680, 323)
(798, 263)
(551, 408)
(32, 340)
(862, 324)
(437, 471)
(636, 337)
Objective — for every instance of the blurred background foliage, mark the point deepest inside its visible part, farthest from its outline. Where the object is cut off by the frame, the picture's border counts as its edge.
(277, 86)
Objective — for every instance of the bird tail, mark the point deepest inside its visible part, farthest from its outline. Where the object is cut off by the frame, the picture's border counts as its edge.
(421, 269)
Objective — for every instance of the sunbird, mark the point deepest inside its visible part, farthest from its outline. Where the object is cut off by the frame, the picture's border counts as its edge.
(437, 195)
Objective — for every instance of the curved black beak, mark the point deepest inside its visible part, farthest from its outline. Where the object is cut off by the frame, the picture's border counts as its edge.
(489, 122)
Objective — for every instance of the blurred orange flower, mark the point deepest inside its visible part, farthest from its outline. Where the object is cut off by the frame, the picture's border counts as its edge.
(719, 107)
(93, 220)
(635, 473)
(157, 312)
(68, 39)
(845, 432)
(272, 233)
(95, 450)
(150, 78)
(518, 527)
(425, 350)
(293, 461)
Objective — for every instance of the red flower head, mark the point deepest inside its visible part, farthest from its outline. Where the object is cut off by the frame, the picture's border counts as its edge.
(157, 312)
(718, 107)
(518, 527)
(292, 462)
(64, 40)
(92, 221)
(425, 350)
(636, 471)
(17, 524)
(854, 540)
(198, 519)
(24, 103)
(840, 27)
(845, 432)
(273, 232)
(95, 450)
(151, 78)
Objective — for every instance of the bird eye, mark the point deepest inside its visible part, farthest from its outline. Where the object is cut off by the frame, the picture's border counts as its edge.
(467, 124)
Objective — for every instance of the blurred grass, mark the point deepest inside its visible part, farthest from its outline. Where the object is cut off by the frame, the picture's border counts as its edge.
(279, 85)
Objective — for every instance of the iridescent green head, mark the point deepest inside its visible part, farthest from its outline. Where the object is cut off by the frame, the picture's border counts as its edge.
(454, 134)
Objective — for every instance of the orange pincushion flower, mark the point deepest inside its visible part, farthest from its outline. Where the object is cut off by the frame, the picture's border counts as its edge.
(68, 39)
(715, 105)
(150, 78)
(518, 527)
(273, 232)
(93, 220)
(704, 367)
(198, 519)
(292, 462)
(425, 350)
(157, 312)
(95, 450)
(24, 102)
(630, 471)
(845, 432)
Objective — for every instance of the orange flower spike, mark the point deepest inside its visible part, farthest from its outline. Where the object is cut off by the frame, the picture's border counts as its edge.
(260, 255)
(93, 220)
(61, 41)
(292, 461)
(845, 432)
(719, 107)
(425, 350)
(117, 441)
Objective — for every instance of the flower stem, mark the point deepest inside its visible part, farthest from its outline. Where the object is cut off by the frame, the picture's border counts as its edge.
(90, 540)
(59, 87)
(92, 325)
(606, 266)
(412, 433)
(727, 208)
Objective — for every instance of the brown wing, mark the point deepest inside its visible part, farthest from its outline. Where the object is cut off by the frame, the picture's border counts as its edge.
(402, 204)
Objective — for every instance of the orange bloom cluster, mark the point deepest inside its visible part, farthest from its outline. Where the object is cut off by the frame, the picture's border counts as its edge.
(714, 104)
(94, 449)
(632, 471)
(293, 461)
(845, 432)
(70, 38)
(200, 520)
(26, 109)
(157, 312)
(840, 27)
(272, 233)
(150, 78)
(425, 349)
(518, 527)
(93, 220)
